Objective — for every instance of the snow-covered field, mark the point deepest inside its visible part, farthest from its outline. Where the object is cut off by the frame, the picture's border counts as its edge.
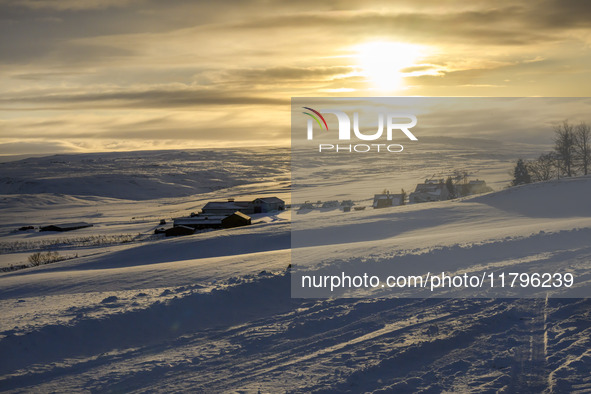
(212, 312)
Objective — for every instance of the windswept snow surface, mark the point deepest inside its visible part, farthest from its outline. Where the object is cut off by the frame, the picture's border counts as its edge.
(517, 230)
(143, 175)
(212, 312)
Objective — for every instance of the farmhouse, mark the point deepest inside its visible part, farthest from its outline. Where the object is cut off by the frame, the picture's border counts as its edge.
(387, 200)
(226, 208)
(258, 205)
(431, 190)
(268, 204)
(65, 226)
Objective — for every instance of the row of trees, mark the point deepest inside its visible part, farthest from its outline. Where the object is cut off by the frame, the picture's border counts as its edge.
(571, 156)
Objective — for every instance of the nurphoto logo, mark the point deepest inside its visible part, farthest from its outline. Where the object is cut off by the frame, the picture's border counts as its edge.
(393, 121)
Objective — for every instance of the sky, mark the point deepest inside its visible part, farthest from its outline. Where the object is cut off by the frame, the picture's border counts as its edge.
(109, 75)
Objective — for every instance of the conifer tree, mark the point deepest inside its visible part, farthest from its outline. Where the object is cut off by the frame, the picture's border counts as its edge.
(520, 174)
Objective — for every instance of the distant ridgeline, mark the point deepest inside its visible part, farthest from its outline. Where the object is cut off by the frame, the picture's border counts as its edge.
(144, 175)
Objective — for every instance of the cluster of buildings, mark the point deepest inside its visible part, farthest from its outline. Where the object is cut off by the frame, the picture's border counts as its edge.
(233, 213)
(345, 205)
(223, 214)
(429, 191)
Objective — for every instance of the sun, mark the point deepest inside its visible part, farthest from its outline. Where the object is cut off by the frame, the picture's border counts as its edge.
(383, 62)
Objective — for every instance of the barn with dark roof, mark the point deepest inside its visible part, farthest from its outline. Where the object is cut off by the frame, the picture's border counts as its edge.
(236, 219)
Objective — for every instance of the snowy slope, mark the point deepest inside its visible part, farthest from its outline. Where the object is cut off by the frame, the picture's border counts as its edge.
(144, 175)
(513, 230)
(212, 311)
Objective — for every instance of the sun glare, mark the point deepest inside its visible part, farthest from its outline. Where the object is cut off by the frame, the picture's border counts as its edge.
(383, 62)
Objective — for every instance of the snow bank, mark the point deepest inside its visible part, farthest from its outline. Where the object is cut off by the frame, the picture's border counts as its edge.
(568, 197)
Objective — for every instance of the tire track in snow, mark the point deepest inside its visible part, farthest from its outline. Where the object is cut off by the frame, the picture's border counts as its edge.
(529, 370)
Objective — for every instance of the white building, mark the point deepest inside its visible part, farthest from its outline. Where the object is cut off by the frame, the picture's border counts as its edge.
(387, 200)
(431, 190)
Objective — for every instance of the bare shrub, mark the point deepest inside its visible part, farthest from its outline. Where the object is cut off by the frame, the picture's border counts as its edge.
(80, 241)
(41, 258)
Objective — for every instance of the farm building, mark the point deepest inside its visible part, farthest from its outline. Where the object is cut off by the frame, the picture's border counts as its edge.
(330, 204)
(307, 205)
(179, 230)
(268, 204)
(259, 205)
(347, 203)
(225, 208)
(237, 219)
(431, 190)
(387, 200)
(65, 226)
(199, 222)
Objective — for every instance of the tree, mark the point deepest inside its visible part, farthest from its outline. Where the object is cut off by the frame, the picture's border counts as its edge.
(564, 145)
(543, 168)
(460, 176)
(449, 184)
(520, 174)
(582, 147)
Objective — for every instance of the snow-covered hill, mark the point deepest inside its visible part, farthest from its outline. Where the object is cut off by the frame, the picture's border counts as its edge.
(212, 312)
(144, 175)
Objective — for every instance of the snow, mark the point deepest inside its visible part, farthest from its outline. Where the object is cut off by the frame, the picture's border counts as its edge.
(212, 312)
(143, 175)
